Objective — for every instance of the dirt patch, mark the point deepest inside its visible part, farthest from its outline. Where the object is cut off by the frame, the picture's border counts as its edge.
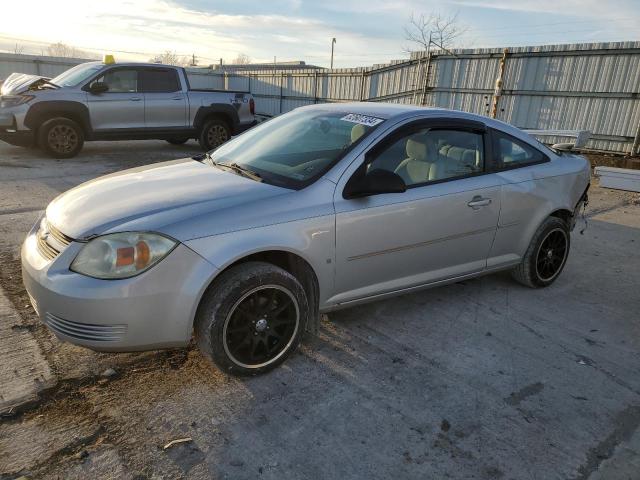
(74, 367)
(617, 161)
(625, 424)
(516, 397)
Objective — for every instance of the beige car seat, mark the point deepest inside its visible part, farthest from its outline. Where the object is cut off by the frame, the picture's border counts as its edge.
(416, 168)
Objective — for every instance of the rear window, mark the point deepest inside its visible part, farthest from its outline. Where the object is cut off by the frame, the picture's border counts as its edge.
(513, 153)
(159, 80)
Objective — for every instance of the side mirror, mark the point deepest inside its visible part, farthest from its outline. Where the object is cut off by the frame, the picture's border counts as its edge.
(373, 182)
(98, 87)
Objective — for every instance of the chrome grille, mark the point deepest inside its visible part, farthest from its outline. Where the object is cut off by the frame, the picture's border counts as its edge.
(85, 331)
(34, 304)
(60, 237)
(51, 241)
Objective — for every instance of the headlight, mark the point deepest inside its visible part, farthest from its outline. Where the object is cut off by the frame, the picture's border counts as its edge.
(121, 255)
(14, 100)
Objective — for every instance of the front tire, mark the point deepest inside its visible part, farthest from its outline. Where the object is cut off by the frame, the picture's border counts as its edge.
(213, 134)
(61, 137)
(251, 318)
(546, 256)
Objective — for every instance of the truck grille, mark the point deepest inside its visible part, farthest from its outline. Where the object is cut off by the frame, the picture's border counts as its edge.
(51, 241)
(85, 331)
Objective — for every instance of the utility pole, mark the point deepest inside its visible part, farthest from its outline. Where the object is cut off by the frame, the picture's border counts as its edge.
(194, 63)
(333, 42)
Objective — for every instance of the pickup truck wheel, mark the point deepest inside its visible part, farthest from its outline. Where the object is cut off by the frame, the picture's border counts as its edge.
(177, 141)
(213, 134)
(546, 256)
(61, 137)
(251, 318)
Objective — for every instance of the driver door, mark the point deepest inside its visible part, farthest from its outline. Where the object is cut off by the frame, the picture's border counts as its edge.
(121, 106)
(441, 227)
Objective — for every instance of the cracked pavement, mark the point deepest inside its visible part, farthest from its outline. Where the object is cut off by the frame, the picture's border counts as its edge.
(481, 379)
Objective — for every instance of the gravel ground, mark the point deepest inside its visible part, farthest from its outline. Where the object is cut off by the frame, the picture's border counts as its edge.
(482, 379)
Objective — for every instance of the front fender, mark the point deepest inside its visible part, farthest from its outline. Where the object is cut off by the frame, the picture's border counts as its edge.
(44, 110)
(312, 239)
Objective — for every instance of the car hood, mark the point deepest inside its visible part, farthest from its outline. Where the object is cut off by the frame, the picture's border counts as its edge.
(152, 198)
(17, 83)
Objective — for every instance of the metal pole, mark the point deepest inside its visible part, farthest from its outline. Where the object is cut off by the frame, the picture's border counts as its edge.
(425, 85)
(362, 85)
(315, 86)
(281, 89)
(333, 41)
(498, 90)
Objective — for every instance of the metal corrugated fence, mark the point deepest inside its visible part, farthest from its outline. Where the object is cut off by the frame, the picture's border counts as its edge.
(592, 86)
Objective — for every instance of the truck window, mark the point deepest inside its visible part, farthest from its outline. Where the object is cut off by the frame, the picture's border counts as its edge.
(120, 80)
(159, 80)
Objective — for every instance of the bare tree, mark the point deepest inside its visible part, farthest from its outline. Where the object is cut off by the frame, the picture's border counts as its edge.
(443, 30)
(63, 50)
(242, 59)
(172, 58)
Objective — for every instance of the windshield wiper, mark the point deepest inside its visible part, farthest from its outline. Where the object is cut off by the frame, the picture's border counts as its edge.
(245, 172)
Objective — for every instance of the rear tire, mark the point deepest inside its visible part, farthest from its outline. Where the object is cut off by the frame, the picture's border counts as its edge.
(251, 318)
(546, 256)
(177, 141)
(60, 137)
(213, 134)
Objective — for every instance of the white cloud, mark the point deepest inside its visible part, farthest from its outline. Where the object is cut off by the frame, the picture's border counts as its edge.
(153, 26)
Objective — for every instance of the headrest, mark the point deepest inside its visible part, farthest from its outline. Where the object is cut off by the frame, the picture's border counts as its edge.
(356, 132)
(455, 153)
(469, 156)
(417, 148)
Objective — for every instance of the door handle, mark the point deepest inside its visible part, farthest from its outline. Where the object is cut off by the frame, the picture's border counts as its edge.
(177, 98)
(135, 99)
(477, 202)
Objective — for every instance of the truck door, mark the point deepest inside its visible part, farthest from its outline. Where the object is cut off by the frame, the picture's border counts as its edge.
(121, 106)
(165, 102)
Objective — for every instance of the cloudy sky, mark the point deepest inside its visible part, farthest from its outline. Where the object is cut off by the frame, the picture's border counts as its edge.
(367, 31)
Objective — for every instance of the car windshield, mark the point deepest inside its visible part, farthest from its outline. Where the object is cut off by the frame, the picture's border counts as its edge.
(77, 74)
(295, 149)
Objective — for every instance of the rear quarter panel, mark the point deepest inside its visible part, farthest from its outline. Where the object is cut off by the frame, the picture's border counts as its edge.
(528, 196)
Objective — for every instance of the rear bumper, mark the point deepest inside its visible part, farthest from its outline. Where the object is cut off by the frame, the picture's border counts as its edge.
(582, 203)
(152, 310)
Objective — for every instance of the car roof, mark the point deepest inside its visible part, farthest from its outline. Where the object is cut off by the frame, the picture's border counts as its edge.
(399, 111)
(131, 64)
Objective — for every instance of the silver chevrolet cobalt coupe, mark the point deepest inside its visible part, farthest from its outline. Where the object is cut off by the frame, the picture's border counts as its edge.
(321, 208)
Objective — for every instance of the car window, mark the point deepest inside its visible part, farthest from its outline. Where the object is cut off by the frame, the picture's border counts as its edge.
(159, 80)
(431, 155)
(120, 80)
(511, 152)
(77, 74)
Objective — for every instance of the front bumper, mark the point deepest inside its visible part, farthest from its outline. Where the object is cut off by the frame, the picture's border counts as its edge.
(24, 138)
(152, 310)
(11, 129)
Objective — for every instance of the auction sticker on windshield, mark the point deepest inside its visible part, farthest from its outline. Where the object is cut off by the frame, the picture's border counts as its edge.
(362, 119)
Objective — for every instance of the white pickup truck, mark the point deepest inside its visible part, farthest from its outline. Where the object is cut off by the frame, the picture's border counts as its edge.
(117, 101)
